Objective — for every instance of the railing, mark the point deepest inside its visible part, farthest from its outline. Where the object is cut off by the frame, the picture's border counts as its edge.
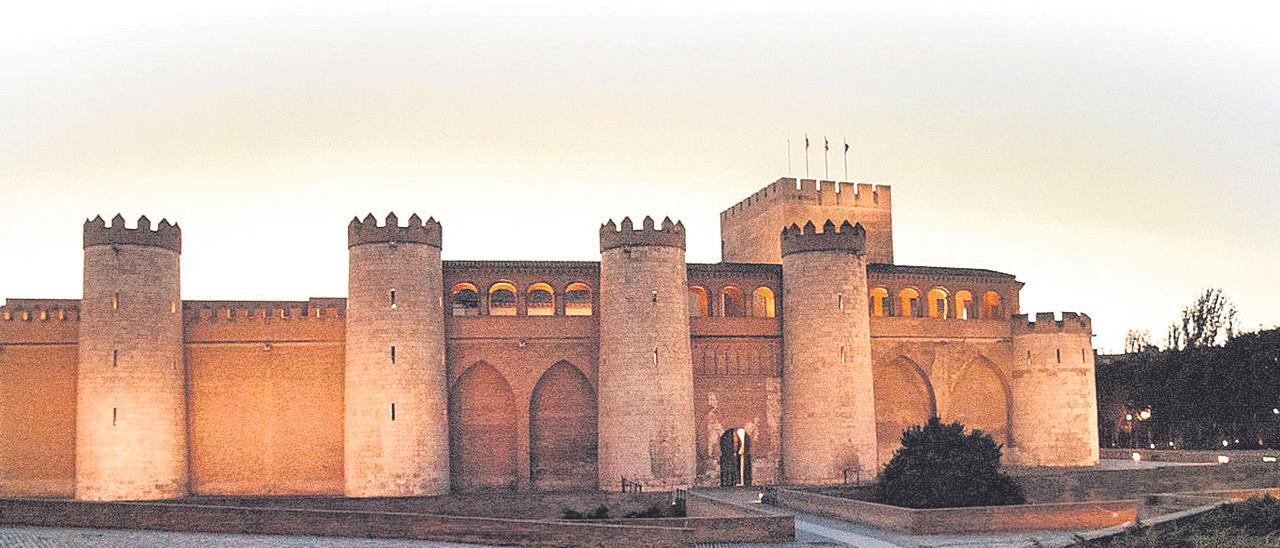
(631, 486)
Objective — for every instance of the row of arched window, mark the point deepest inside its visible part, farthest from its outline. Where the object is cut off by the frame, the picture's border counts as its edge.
(540, 299)
(731, 303)
(937, 303)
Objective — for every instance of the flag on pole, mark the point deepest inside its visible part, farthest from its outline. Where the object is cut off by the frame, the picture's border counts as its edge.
(806, 155)
(826, 145)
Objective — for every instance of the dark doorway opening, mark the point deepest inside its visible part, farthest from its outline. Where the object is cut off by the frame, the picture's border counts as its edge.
(735, 458)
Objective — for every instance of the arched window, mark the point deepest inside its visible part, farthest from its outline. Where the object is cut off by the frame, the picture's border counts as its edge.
(731, 303)
(577, 299)
(964, 305)
(540, 300)
(762, 304)
(991, 307)
(466, 300)
(937, 303)
(697, 302)
(502, 299)
(909, 301)
(879, 302)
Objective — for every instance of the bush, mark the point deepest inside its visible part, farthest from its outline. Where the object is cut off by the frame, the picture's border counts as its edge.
(601, 512)
(939, 466)
(1252, 523)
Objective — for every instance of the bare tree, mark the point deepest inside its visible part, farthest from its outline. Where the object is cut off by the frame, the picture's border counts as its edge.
(1209, 321)
(1137, 341)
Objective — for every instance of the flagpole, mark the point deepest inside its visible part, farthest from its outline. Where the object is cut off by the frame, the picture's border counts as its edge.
(826, 153)
(846, 161)
(806, 156)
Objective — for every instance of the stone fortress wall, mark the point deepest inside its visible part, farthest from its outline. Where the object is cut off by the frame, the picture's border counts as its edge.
(513, 369)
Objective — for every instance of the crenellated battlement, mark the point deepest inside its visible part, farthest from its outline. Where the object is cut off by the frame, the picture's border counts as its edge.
(1045, 323)
(166, 236)
(368, 231)
(39, 313)
(668, 235)
(812, 191)
(253, 312)
(848, 237)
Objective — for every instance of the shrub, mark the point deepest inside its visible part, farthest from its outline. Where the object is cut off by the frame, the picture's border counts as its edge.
(939, 466)
(601, 512)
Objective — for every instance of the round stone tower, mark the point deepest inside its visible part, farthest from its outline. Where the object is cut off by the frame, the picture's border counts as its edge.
(131, 423)
(396, 402)
(828, 412)
(1055, 406)
(645, 417)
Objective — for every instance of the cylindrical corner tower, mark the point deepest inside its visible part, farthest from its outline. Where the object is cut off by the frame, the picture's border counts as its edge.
(828, 405)
(396, 401)
(646, 431)
(131, 423)
(1055, 404)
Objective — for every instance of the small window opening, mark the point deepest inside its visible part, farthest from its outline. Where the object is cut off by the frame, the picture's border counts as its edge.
(840, 301)
(655, 356)
(393, 411)
(1059, 355)
(1082, 358)
(115, 301)
(393, 355)
(393, 298)
(842, 355)
(1028, 357)
(173, 307)
(115, 358)
(653, 296)
(113, 416)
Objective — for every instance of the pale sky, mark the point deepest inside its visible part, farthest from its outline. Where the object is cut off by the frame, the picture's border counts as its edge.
(1117, 159)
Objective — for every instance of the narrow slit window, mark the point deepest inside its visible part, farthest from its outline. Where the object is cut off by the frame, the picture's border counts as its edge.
(653, 296)
(842, 355)
(115, 301)
(1028, 357)
(113, 416)
(840, 301)
(173, 307)
(393, 298)
(1059, 355)
(393, 411)
(115, 358)
(393, 355)
(655, 356)
(1082, 358)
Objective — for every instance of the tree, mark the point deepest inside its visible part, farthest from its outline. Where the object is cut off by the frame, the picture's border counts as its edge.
(1209, 321)
(939, 466)
(1137, 341)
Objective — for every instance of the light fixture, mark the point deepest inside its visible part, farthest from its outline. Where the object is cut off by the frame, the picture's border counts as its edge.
(1223, 459)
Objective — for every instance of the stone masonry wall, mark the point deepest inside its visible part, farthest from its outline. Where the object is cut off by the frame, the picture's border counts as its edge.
(1055, 410)
(828, 415)
(646, 372)
(131, 422)
(401, 450)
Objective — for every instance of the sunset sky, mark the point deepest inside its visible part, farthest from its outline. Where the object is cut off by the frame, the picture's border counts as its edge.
(1117, 159)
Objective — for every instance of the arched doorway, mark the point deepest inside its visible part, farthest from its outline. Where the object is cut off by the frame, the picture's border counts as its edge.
(903, 399)
(562, 431)
(482, 431)
(735, 458)
(979, 400)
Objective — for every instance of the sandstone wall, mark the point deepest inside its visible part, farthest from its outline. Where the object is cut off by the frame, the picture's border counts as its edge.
(38, 358)
(131, 410)
(749, 230)
(828, 415)
(1055, 412)
(646, 412)
(266, 399)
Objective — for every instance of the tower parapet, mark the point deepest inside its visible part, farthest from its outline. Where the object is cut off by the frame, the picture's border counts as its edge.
(847, 238)
(167, 236)
(645, 425)
(368, 231)
(828, 405)
(1055, 412)
(668, 235)
(396, 426)
(131, 426)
